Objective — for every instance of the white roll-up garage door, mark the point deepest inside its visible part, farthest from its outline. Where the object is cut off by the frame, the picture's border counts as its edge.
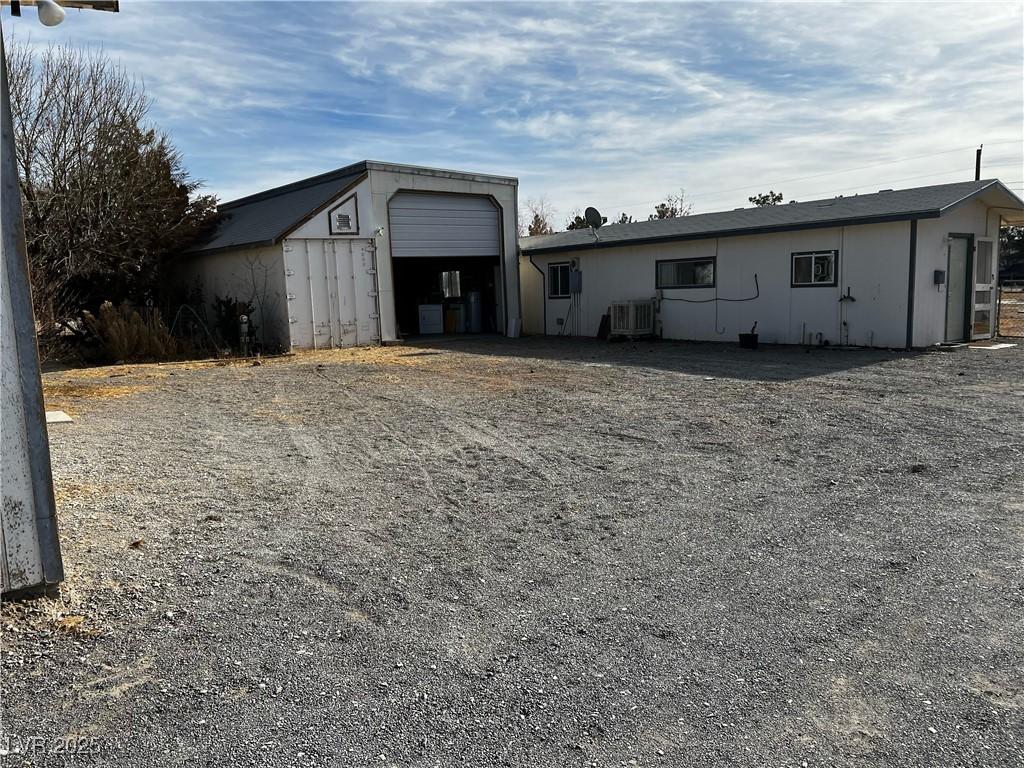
(441, 225)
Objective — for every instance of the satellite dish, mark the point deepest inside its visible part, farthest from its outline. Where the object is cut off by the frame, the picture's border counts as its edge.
(593, 217)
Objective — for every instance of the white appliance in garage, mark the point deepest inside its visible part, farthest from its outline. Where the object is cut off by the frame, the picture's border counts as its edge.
(431, 318)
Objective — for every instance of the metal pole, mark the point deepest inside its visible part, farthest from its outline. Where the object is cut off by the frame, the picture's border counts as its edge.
(31, 550)
(89, 5)
(977, 164)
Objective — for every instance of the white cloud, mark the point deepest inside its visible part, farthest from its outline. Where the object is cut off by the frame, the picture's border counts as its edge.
(544, 126)
(884, 94)
(614, 105)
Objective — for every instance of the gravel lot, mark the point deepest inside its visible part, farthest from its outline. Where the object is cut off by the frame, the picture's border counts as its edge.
(534, 553)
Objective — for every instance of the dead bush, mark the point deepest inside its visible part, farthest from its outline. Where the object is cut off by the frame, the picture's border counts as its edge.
(124, 333)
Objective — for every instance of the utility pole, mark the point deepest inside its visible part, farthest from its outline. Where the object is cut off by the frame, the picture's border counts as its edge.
(30, 559)
(977, 163)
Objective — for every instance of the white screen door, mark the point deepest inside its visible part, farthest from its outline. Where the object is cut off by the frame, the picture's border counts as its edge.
(984, 288)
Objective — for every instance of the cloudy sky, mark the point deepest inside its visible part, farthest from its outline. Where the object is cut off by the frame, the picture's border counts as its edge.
(588, 104)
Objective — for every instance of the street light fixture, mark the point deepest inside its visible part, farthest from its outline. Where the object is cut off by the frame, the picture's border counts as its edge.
(50, 14)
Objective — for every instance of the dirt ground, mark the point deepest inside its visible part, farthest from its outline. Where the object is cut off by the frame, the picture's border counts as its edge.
(1011, 312)
(533, 553)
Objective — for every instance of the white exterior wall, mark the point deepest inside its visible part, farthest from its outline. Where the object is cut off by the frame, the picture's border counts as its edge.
(386, 181)
(255, 275)
(873, 265)
(318, 226)
(972, 217)
(330, 279)
(877, 273)
(531, 288)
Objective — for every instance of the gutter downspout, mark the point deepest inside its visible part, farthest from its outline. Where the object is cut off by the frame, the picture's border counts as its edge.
(911, 283)
(543, 292)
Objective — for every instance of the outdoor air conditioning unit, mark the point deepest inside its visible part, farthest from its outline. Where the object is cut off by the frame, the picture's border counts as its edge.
(632, 318)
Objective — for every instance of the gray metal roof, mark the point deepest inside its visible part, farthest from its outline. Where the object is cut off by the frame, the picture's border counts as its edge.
(262, 219)
(891, 205)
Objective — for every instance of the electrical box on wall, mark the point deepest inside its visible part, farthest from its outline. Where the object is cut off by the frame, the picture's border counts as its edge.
(940, 277)
(575, 281)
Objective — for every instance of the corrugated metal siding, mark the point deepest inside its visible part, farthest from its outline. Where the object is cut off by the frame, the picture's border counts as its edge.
(433, 225)
(330, 289)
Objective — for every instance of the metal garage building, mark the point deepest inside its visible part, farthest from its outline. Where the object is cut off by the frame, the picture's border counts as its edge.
(904, 268)
(368, 253)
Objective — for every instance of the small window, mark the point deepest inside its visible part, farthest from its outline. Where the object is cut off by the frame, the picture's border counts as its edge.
(815, 268)
(451, 284)
(685, 273)
(558, 281)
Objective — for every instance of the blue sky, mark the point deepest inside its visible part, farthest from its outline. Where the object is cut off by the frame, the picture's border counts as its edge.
(613, 105)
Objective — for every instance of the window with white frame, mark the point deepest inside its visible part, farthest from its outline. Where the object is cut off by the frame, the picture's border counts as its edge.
(685, 273)
(558, 280)
(812, 268)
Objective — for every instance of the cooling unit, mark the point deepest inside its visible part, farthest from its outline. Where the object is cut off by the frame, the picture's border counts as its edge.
(632, 318)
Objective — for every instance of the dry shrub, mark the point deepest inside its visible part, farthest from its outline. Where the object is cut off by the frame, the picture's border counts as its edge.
(124, 333)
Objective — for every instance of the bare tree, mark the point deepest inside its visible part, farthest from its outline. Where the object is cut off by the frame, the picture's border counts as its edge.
(262, 301)
(107, 197)
(576, 220)
(674, 206)
(539, 215)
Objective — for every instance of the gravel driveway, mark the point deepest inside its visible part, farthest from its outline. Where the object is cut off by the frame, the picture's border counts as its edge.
(533, 553)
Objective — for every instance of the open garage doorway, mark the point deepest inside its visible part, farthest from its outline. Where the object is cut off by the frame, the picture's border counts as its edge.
(455, 295)
(446, 263)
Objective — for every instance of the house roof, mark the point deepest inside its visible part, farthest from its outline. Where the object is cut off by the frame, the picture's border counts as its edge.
(264, 218)
(886, 205)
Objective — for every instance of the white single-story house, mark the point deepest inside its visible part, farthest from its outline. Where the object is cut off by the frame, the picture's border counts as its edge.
(367, 254)
(897, 268)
